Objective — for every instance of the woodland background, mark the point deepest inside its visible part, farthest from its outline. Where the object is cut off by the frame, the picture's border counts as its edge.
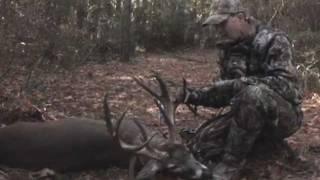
(58, 59)
(59, 34)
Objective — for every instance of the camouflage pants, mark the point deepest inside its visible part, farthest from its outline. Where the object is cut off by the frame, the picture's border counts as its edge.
(259, 111)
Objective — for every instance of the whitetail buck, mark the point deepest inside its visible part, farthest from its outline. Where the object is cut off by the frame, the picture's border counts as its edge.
(75, 144)
(63, 145)
(157, 153)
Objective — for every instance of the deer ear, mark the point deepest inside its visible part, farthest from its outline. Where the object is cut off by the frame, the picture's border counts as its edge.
(149, 170)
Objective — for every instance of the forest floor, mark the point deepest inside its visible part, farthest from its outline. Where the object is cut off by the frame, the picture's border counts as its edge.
(80, 91)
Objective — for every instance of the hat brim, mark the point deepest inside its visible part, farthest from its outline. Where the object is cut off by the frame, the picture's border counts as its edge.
(215, 19)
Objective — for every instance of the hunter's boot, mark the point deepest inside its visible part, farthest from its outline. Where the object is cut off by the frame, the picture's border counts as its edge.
(239, 143)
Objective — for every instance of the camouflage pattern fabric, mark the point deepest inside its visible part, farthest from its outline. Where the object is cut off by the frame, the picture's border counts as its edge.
(232, 60)
(263, 89)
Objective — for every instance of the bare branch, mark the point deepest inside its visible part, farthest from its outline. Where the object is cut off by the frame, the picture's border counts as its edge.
(277, 12)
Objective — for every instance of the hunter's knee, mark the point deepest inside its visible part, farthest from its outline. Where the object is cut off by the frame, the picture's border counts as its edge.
(248, 107)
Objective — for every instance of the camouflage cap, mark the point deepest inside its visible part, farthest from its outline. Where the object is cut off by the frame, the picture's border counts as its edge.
(222, 10)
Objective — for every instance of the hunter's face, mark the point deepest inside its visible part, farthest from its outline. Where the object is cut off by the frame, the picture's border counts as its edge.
(232, 28)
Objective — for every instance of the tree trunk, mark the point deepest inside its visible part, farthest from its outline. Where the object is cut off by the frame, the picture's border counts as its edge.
(81, 14)
(118, 6)
(125, 31)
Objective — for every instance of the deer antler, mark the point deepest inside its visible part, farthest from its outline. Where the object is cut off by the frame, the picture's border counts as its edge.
(114, 131)
(132, 166)
(185, 86)
(107, 115)
(169, 107)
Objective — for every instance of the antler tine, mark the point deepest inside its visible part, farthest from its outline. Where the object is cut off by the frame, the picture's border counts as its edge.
(163, 87)
(148, 151)
(184, 82)
(171, 126)
(107, 115)
(144, 135)
(142, 149)
(142, 129)
(140, 83)
(123, 144)
(138, 149)
(168, 109)
(132, 167)
(185, 86)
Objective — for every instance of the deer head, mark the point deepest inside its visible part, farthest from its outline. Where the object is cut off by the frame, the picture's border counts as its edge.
(165, 154)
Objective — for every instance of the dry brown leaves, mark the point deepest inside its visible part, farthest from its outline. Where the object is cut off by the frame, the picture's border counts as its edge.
(80, 93)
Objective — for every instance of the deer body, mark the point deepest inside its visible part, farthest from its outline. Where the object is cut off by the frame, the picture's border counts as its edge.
(70, 144)
(75, 144)
(61, 145)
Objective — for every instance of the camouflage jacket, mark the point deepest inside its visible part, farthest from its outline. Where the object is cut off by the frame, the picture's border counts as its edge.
(232, 60)
(267, 58)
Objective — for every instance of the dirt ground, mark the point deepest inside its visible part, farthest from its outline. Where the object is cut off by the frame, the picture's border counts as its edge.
(80, 91)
